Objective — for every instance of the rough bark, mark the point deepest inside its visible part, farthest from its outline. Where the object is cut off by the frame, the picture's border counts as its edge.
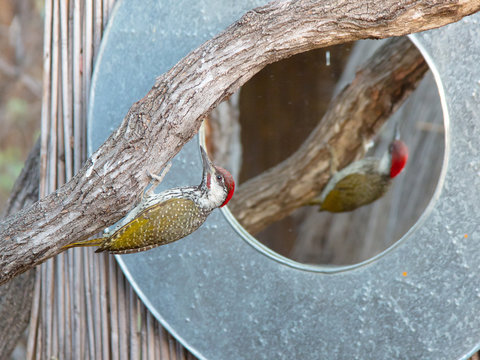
(157, 126)
(355, 115)
(17, 294)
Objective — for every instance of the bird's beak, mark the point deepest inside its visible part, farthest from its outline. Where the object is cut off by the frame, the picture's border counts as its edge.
(396, 133)
(207, 164)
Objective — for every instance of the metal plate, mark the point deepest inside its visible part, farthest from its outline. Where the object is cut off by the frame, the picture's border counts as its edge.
(225, 296)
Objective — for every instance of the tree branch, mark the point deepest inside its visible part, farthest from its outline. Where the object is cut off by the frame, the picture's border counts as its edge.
(17, 294)
(157, 126)
(356, 114)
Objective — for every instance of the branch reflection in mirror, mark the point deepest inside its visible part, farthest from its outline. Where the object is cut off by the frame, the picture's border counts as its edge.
(277, 132)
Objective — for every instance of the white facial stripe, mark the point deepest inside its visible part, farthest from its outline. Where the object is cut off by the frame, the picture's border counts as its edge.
(214, 197)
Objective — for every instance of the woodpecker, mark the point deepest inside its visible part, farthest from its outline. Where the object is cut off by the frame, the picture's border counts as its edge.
(363, 181)
(162, 218)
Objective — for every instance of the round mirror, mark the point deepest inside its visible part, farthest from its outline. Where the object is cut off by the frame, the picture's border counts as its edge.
(272, 117)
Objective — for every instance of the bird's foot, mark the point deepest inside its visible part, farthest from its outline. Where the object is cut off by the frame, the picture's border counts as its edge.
(367, 144)
(333, 160)
(156, 180)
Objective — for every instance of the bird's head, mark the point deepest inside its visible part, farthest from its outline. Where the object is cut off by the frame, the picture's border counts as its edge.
(217, 183)
(399, 155)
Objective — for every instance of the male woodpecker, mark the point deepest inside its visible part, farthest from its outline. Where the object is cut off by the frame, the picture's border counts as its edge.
(162, 218)
(363, 181)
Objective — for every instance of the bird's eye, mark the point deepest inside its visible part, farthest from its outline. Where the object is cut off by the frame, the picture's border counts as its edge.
(219, 177)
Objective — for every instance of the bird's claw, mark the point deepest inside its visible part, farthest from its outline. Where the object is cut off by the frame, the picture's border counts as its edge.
(156, 180)
(367, 144)
(333, 160)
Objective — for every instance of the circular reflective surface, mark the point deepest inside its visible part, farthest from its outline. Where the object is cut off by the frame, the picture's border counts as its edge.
(281, 106)
(225, 296)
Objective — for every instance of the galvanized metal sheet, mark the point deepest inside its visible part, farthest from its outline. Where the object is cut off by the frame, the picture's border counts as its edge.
(225, 296)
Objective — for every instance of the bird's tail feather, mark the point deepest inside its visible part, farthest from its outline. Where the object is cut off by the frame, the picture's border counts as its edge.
(92, 242)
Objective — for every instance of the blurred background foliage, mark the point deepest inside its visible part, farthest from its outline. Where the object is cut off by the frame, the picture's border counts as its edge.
(21, 68)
